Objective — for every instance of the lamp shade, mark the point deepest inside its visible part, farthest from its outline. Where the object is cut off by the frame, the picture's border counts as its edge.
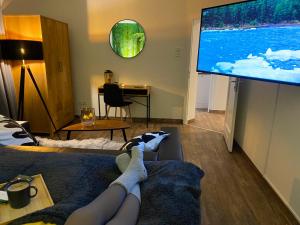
(21, 50)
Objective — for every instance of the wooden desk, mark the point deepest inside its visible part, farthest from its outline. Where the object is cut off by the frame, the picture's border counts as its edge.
(133, 91)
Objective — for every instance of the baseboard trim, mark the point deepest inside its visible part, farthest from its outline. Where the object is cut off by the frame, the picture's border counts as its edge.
(276, 191)
(191, 121)
(159, 120)
(217, 111)
(282, 198)
(138, 119)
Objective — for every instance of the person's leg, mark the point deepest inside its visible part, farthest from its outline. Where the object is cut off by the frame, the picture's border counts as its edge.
(104, 207)
(135, 172)
(128, 213)
(122, 162)
(101, 210)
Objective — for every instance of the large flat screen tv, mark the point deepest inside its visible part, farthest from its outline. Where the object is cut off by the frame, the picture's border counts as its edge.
(253, 39)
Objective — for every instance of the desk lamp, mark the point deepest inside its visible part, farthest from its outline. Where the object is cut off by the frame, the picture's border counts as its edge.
(24, 50)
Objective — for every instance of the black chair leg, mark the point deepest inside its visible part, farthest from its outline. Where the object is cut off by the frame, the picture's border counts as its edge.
(111, 134)
(108, 110)
(124, 135)
(129, 113)
(106, 114)
(121, 113)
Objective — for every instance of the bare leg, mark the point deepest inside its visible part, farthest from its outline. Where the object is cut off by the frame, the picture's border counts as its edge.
(101, 210)
(104, 207)
(128, 213)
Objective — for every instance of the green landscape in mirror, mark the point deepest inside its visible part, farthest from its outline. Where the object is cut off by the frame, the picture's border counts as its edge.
(127, 38)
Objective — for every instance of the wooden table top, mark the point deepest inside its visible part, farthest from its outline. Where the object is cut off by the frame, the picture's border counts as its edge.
(99, 125)
(127, 86)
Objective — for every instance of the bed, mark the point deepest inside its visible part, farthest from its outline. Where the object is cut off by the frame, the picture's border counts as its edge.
(170, 195)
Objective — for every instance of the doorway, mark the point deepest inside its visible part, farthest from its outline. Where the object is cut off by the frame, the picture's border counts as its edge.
(207, 94)
(211, 99)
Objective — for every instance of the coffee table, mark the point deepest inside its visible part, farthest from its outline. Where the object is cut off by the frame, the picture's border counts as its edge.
(100, 125)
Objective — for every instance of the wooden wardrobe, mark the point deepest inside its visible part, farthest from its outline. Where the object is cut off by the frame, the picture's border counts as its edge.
(53, 74)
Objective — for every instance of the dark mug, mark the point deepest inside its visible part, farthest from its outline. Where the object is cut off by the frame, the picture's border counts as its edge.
(19, 193)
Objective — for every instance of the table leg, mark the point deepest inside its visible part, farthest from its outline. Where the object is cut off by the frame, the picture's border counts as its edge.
(124, 135)
(149, 109)
(147, 105)
(111, 134)
(99, 107)
(68, 135)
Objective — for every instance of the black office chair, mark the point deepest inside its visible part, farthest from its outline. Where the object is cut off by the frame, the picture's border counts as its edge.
(113, 98)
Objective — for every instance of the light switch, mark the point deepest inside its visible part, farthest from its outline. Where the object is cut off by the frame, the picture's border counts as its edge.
(177, 52)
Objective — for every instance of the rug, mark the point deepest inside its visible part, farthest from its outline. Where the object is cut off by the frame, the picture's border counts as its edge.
(98, 143)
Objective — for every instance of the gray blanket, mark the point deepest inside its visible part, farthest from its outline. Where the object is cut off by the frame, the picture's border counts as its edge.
(170, 196)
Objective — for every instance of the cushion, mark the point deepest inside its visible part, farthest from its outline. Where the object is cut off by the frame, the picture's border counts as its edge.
(150, 139)
(12, 133)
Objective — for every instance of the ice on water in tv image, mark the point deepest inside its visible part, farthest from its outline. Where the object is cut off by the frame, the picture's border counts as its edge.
(256, 39)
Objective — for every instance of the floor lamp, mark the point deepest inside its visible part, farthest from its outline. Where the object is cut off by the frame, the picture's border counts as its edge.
(24, 50)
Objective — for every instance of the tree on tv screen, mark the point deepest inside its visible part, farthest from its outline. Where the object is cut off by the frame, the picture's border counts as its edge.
(253, 13)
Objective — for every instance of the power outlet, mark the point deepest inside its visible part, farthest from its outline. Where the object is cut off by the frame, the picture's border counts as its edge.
(177, 52)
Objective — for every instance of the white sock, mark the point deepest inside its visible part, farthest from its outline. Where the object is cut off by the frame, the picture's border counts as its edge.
(135, 172)
(122, 162)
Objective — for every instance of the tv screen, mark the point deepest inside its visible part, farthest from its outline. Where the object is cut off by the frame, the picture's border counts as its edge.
(253, 39)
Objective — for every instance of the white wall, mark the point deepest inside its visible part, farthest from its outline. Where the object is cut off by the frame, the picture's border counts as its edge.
(202, 99)
(212, 92)
(218, 93)
(168, 28)
(192, 86)
(90, 21)
(255, 117)
(267, 129)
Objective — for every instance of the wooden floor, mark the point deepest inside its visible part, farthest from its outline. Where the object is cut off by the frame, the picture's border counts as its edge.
(233, 191)
(209, 121)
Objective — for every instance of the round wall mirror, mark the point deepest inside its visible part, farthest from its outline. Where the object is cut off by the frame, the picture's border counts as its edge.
(127, 38)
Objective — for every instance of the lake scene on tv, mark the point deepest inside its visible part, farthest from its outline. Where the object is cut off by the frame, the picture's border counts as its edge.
(256, 39)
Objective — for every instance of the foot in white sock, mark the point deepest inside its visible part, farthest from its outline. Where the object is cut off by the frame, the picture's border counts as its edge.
(122, 162)
(135, 172)
(140, 146)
